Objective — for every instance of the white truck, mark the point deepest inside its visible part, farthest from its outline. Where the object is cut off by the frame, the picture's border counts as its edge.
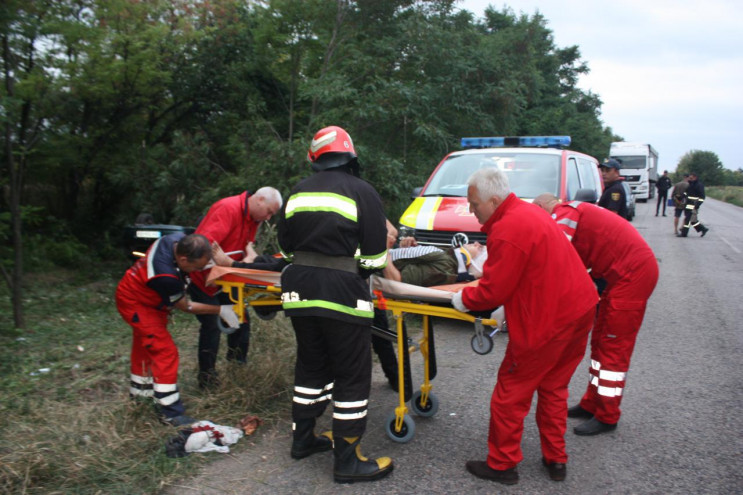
(639, 167)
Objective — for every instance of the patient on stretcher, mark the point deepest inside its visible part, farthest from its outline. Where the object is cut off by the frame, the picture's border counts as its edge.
(427, 266)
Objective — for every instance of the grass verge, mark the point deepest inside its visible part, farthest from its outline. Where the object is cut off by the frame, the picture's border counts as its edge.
(67, 424)
(728, 194)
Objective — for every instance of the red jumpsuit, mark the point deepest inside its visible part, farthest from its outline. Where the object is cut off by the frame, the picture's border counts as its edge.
(549, 298)
(144, 298)
(614, 251)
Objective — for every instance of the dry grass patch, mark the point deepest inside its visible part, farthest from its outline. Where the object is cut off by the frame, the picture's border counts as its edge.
(67, 424)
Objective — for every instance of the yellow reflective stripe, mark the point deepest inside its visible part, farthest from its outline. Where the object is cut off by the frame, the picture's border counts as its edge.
(421, 213)
(362, 312)
(328, 202)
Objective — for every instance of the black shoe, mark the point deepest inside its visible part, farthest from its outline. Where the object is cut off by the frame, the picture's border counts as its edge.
(305, 443)
(593, 427)
(482, 470)
(656, 214)
(704, 232)
(556, 470)
(664, 214)
(351, 465)
(680, 235)
(578, 412)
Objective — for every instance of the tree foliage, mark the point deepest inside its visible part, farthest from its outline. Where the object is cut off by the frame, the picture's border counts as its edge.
(706, 165)
(114, 107)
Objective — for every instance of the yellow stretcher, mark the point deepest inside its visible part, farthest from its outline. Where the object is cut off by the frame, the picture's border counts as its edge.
(261, 290)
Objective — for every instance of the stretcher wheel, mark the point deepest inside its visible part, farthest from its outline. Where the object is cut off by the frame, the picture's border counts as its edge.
(431, 408)
(406, 433)
(224, 328)
(482, 344)
(264, 313)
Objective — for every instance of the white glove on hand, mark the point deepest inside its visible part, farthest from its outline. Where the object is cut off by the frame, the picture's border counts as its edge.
(456, 301)
(228, 315)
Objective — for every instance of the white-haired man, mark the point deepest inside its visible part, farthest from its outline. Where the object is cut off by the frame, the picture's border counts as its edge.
(231, 222)
(533, 271)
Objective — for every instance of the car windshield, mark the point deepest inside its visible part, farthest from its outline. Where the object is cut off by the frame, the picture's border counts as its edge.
(529, 174)
(637, 162)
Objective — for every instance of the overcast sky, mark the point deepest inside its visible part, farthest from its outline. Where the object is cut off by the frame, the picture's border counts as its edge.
(669, 73)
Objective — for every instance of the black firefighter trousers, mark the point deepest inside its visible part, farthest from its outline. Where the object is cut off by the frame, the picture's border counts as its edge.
(333, 364)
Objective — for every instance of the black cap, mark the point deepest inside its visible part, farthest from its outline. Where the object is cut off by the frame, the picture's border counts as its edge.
(611, 163)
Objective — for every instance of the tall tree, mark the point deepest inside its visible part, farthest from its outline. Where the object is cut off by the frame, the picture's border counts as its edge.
(26, 93)
(705, 164)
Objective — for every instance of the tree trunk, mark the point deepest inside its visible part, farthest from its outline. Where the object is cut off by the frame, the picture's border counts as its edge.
(16, 180)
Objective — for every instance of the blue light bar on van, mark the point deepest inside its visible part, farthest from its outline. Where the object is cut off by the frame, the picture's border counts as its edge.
(516, 141)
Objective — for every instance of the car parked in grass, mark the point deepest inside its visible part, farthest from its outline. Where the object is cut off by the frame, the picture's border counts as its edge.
(139, 237)
(533, 165)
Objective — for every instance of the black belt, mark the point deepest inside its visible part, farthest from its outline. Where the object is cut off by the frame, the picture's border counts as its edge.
(307, 258)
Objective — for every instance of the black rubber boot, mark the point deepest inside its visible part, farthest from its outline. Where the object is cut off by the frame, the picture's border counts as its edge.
(351, 466)
(305, 443)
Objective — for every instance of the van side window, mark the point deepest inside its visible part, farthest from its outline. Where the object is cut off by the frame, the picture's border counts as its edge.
(587, 170)
(573, 183)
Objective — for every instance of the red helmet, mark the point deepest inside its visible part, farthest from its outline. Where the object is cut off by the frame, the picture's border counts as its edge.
(331, 147)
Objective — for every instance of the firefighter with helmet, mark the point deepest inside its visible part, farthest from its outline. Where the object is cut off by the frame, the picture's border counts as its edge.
(332, 230)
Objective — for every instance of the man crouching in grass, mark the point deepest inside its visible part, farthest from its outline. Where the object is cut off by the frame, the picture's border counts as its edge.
(145, 296)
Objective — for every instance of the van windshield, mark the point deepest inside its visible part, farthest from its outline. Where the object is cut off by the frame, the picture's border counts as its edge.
(637, 162)
(529, 174)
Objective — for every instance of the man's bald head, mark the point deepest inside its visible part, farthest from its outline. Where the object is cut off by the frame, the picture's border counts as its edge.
(546, 201)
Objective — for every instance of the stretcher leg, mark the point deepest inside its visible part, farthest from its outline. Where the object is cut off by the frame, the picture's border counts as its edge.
(423, 402)
(401, 427)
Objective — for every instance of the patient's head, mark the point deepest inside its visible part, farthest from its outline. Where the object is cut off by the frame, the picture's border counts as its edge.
(478, 254)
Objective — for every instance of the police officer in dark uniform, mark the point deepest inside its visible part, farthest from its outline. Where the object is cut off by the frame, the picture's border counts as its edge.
(694, 198)
(613, 198)
(663, 185)
(332, 230)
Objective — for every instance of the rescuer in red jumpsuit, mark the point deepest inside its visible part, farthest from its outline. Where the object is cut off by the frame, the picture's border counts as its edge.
(231, 222)
(149, 290)
(615, 252)
(550, 301)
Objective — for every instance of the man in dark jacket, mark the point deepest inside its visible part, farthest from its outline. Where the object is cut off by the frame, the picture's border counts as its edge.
(663, 185)
(614, 197)
(694, 198)
(332, 230)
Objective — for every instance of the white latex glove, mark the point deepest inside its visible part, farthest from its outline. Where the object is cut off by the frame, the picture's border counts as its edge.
(456, 301)
(228, 315)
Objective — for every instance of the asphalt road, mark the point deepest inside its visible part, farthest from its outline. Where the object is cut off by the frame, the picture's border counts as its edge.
(681, 428)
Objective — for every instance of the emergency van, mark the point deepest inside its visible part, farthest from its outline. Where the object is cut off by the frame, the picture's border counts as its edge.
(533, 165)
(639, 163)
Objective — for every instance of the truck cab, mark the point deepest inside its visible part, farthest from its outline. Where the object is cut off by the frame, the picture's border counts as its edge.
(639, 163)
(533, 165)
